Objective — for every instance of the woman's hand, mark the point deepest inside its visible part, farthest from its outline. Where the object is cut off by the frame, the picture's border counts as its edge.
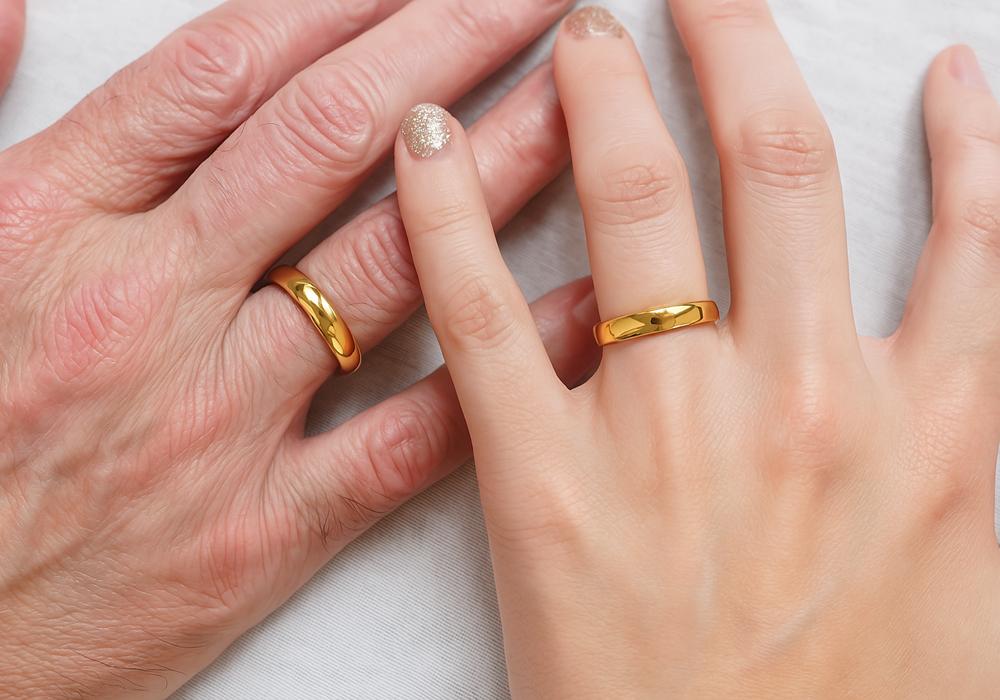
(157, 496)
(770, 506)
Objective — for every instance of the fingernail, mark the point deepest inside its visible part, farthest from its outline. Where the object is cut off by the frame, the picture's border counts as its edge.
(966, 69)
(425, 130)
(585, 310)
(588, 22)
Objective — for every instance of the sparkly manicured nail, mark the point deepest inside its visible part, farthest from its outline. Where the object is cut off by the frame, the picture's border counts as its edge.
(590, 22)
(426, 131)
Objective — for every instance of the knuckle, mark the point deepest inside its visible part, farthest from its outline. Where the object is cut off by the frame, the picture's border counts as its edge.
(359, 13)
(377, 280)
(979, 224)
(229, 554)
(481, 26)
(639, 196)
(551, 520)
(405, 449)
(527, 142)
(206, 409)
(477, 318)
(214, 71)
(95, 328)
(786, 151)
(810, 435)
(24, 209)
(329, 119)
(947, 456)
(390, 460)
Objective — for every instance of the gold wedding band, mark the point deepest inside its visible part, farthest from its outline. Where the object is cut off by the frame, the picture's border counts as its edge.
(670, 318)
(328, 322)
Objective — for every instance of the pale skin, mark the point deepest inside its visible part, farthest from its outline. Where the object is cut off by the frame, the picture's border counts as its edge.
(157, 494)
(769, 506)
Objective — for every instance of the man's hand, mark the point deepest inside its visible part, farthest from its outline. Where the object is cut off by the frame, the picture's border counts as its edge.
(157, 496)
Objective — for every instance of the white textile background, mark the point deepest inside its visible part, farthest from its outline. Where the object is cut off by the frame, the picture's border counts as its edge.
(409, 610)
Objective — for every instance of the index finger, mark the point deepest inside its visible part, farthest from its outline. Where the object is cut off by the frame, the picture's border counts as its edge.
(489, 341)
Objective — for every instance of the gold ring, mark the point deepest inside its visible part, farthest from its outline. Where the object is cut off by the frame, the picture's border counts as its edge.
(670, 318)
(328, 322)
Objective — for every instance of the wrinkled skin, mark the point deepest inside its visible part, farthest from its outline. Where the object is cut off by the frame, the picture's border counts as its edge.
(770, 506)
(157, 494)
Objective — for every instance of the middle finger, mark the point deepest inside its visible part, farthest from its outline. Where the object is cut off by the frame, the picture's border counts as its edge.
(309, 147)
(785, 230)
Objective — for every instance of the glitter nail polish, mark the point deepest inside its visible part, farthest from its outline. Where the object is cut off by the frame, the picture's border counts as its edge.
(425, 130)
(590, 22)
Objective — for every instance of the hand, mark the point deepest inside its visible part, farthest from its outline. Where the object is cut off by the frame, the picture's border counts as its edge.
(11, 38)
(157, 496)
(766, 507)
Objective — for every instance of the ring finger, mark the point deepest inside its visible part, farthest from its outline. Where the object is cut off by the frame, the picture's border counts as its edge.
(634, 190)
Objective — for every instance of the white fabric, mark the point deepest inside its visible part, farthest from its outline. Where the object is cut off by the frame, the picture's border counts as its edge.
(409, 610)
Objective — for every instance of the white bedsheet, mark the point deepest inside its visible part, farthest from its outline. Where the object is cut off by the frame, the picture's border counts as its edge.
(409, 610)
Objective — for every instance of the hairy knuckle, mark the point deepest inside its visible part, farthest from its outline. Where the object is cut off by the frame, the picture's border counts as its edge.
(476, 317)
(378, 277)
(306, 513)
(785, 151)
(331, 117)
(214, 71)
(390, 460)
